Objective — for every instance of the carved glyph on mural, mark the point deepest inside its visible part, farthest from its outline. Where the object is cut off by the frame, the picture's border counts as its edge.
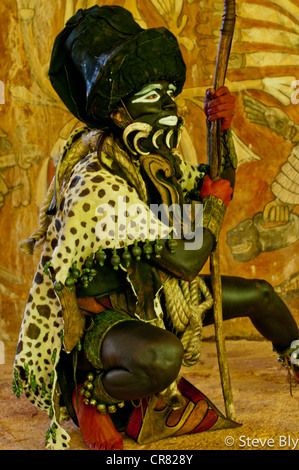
(171, 12)
(285, 187)
(45, 96)
(9, 278)
(277, 226)
(256, 47)
(289, 286)
(19, 154)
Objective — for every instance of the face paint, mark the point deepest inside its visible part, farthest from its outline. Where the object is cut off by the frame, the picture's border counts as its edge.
(149, 93)
(153, 104)
(155, 126)
(169, 121)
(153, 93)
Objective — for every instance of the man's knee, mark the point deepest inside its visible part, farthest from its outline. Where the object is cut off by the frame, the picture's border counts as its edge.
(265, 290)
(160, 360)
(152, 355)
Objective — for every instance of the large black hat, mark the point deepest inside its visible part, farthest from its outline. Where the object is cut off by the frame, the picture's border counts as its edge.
(102, 55)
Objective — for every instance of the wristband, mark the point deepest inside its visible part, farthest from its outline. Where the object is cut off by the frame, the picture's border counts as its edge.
(213, 215)
(228, 152)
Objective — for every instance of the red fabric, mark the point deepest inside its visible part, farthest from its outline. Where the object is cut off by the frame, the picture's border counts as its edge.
(135, 422)
(189, 392)
(209, 421)
(90, 304)
(193, 394)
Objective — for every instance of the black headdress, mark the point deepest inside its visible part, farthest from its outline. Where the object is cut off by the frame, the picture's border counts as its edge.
(102, 55)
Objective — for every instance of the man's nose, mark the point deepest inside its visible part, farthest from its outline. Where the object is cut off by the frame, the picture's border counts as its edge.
(168, 104)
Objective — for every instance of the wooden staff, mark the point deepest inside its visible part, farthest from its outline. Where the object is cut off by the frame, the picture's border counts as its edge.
(214, 160)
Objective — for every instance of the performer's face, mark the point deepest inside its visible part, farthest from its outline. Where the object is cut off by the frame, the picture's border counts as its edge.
(154, 104)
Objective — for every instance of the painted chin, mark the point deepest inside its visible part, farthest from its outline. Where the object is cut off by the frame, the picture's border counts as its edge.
(169, 121)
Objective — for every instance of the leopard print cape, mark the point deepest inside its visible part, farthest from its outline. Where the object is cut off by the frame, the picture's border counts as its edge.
(78, 230)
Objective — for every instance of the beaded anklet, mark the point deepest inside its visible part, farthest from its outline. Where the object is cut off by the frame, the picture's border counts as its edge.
(95, 395)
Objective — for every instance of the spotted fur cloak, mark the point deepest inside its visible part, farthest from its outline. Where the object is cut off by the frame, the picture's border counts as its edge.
(77, 231)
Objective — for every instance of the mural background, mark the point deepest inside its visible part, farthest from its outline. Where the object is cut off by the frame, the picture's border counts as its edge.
(260, 234)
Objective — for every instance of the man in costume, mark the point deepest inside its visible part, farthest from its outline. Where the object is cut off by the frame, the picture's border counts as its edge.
(117, 305)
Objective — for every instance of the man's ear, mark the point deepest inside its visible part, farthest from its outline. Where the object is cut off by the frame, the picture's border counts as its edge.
(120, 117)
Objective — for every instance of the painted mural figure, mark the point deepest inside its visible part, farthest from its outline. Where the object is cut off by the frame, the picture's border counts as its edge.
(277, 226)
(285, 187)
(117, 304)
(21, 160)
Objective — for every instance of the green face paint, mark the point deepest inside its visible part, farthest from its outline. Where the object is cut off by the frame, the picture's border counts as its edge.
(153, 104)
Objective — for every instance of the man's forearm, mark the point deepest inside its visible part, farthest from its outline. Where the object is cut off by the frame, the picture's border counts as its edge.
(185, 263)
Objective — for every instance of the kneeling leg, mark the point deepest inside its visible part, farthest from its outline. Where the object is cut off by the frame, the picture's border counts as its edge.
(257, 300)
(139, 359)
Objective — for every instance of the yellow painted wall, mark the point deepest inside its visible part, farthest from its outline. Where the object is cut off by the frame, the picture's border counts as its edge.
(262, 73)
